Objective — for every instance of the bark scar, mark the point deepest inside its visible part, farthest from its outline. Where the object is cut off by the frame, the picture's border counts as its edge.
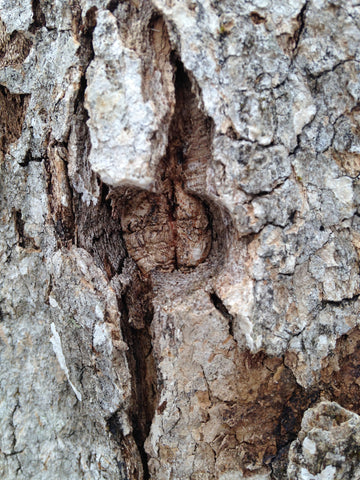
(171, 228)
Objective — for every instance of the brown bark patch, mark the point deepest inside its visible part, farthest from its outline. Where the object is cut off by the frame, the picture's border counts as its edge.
(266, 415)
(13, 109)
(163, 235)
(38, 16)
(340, 375)
(14, 47)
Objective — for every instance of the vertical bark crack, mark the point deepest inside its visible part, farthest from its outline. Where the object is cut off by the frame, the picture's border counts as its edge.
(143, 377)
(301, 20)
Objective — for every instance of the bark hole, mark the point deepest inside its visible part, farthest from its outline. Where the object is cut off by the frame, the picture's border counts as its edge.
(112, 5)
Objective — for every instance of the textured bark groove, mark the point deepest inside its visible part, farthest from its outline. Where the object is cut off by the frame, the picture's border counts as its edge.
(142, 366)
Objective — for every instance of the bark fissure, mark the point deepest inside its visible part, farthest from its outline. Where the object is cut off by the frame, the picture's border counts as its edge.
(301, 18)
(130, 464)
(143, 378)
(219, 305)
(38, 16)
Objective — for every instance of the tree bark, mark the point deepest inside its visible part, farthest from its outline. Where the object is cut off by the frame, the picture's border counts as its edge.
(180, 239)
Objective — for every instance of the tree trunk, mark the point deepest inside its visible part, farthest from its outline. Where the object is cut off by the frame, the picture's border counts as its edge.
(180, 237)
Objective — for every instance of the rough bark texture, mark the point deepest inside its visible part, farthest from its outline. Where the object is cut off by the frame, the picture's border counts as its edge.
(180, 238)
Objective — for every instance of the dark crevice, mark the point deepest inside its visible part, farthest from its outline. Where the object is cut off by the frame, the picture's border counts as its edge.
(19, 227)
(112, 5)
(190, 133)
(13, 428)
(79, 101)
(86, 39)
(29, 158)
(339, 303)
(218, 304)
(265, 193)
(128, 470)
(23, 240)
(143, 376)
(38, 16)
(301, 20)
(292, 413)
(318, 75)
(256, 18)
